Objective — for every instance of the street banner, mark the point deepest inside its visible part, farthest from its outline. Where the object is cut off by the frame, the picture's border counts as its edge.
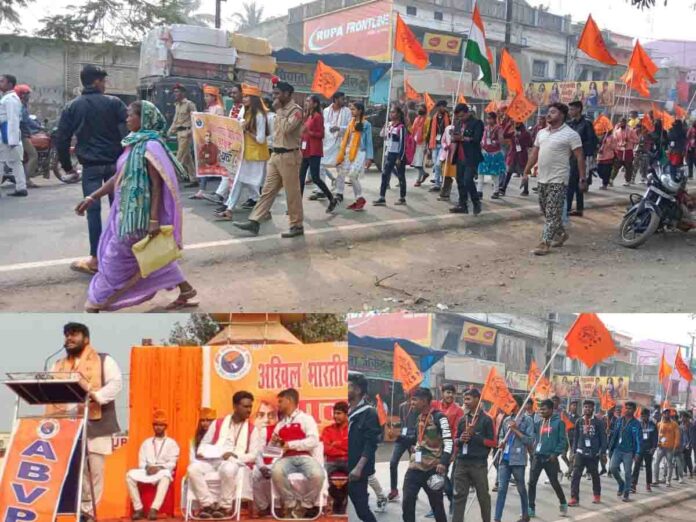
(37, 463)
(476, 333)
(218, 144)
(591, 94)
(319, 372)
(589, 387)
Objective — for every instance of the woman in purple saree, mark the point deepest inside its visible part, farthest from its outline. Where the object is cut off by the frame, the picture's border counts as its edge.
(146, 196)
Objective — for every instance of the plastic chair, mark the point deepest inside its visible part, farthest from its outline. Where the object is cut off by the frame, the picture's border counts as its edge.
(190, 503)
(338, 482)
(147, 495)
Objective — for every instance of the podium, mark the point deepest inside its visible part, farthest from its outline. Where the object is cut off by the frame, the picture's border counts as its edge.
(56, 440)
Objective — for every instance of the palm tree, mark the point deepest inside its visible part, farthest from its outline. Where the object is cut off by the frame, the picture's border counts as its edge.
(250, 16)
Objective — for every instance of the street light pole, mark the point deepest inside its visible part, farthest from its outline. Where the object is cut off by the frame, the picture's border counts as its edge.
(218, 9)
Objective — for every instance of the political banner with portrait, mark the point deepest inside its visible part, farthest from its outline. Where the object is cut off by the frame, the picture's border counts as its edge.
(218, 144)
(589, 387)
(319, 372)
(592, 94)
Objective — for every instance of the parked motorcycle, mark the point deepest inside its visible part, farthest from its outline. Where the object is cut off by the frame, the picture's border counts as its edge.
(44, 143)
(663, 207)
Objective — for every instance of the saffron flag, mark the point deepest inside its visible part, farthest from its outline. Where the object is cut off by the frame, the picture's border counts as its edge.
(647, 122)
(405, 42)
(405, 369)
(606, 401)
(327, 80)
(592, 43)
(511, 73)
(476, 50)
(679, 112)
(381, 412)
(566, 420)
(429, 102)
(602, 125)
(641, 63)
(495, 390)
(411, 93)
(520, 109)
(543, 388)
(682, 368)
(665, 369)
(666, 118)
(461, 99)
(636, 82)
(589, 340)
(491, 107)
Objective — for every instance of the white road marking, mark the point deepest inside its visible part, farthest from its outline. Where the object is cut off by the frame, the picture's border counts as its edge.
(308, 232)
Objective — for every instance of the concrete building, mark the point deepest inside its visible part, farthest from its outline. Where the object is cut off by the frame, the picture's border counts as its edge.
(52, 69)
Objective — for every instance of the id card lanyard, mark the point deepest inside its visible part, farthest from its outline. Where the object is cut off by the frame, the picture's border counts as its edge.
(465, 445)
(421, 434)
(546, 422)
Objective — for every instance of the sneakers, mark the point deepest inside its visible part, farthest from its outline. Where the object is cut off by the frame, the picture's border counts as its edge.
(379, 203)
(633, 490)
(682, 481)
(393, 495)
(531, 512)
(574, 502)
(496, 195)
(477, 208)
(564, 510)
(542, 249)
(358, 205)
(19, 194)
(401, 202)
(332, 206)
(249, 204)
(459, 209)
(430, 514)
(495, 487)
(596, 499)
(381, 504)
(625, 499)
(249, 226)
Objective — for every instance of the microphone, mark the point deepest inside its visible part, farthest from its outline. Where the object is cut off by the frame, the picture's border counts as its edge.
(45, 368)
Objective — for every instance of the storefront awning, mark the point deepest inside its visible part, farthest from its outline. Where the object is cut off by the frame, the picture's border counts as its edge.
(425, 356)
(347, 61)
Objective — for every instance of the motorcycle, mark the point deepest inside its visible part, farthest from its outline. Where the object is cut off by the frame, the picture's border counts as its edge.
(44, 143)
(663, 207)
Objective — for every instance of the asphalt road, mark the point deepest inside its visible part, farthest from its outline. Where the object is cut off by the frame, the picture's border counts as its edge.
(420, 255)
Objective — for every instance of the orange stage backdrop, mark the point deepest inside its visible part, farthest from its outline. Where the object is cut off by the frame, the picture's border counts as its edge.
(318, 371)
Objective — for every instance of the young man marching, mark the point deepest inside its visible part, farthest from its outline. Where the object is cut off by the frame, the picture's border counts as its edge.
(588, 441)
(647, 450)
(624, 447)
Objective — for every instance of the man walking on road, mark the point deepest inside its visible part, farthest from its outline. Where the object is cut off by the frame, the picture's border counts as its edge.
(474, 440)
(624, 449)
(552, 147)
(408, 417)
(429, 460)
(550, 443)
(99, 123)
(647, 449)
(11, 151)
(363, 435)
(181, 128)
(284, 165)
(467, 133)
(588, 441)
(580, 124)
(667, 442)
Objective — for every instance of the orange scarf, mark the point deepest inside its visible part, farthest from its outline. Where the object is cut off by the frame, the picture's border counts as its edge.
(89, 366)
(433, 129)
(355, 137)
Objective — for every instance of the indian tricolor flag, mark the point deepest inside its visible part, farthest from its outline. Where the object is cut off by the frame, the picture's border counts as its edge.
(476, 49)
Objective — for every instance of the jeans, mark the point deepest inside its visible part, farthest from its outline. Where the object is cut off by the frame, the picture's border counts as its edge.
(581, 463)
(552, 469)
(437, 166)
(468, 474)
(304, 465)
(688, 465)
(677, 465)
(574, 191)
(413, 482)
(604, 171)
(691, 162)
(312, 164)
(400, 171)
(504, 473)
(466, 185)
(646, 458)
(93, 177)
(617, 459)
(660, 454)
(357, 492)
(400, 447)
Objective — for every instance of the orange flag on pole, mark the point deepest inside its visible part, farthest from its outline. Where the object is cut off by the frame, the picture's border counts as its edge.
(461, 99)
(679, 113)
(405, 369)
(520, 109)
(543, 388)
(647, 123)
(589, 340)
(381, 412)
(592, 43)
(636, 82)
(411, 93)
(429, 102)
(405, 42)
(326, 80)
(511, 73)
(491, 107)
(642, 63)
(496, 391)
(682, 368)
(566, 420)
(602, 125)
(665, 370)
(606, 401)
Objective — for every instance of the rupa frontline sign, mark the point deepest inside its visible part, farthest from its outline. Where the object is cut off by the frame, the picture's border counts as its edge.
(363, 31)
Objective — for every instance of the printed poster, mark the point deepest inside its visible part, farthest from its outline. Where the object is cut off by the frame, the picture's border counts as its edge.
(218, 144)
(592, 94)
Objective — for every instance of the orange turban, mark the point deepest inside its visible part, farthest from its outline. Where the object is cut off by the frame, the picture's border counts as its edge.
(250, 90)
(213, 91)
(207, 414)
(159, 417)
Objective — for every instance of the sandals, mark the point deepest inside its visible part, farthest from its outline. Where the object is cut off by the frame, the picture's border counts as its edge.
(224, 216)
(183, 301)
(82, 266)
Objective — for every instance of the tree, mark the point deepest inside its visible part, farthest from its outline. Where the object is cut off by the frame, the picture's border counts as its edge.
(198, 330)
(8, 10)
(250, 16)
(317, 328)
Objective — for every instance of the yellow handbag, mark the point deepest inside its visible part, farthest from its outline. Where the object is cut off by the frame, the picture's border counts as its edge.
(153, 253)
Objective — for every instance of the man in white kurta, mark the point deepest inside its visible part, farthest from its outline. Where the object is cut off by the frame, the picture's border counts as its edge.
(336, 119)
(264, 425)
(156, 464)
(11, 151)
(227, 455)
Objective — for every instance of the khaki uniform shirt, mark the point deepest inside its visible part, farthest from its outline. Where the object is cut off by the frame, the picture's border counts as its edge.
(287, 127)
(182, 115)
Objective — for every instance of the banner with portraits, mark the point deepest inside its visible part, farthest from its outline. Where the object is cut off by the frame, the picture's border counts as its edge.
(592, 94)
(588, 387)
(218, 145)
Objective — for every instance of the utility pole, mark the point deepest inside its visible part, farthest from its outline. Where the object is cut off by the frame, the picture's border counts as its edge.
(690, 354)
(509, 5)
(550, 321)
(218, 9)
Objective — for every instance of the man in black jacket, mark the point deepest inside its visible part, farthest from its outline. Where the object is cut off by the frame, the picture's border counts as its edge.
(404, 441)
(647, 450)
(583, 126)
(363, 434)
(588, 441)
(98, 122)
(467, 131)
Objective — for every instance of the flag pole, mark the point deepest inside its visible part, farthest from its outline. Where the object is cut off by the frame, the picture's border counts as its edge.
(688, 108)
(461, 71)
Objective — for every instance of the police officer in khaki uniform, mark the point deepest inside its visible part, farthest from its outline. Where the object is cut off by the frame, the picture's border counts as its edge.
(181, 128)
(284, 165)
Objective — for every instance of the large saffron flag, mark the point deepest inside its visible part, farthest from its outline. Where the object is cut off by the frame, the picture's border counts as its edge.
(647, 122)
(511, 73)
(666, 118)
(411, 93)
(682, 367)
(381, 412)
(327, 80)
(543, 389)
(495, 390)
(476, 50)
(665, 369)
(520, 109)
(636, 82)
(429, 102)
(642, 63)
(592, 43)
(405, 369)
(406, 43)
(602, 125)
(589, 340)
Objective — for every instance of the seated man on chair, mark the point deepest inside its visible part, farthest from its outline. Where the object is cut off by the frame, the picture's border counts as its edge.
(156, 464)
(297, 435)
(335, 439)
(264, 425)
(206, 416)
(227, 455)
